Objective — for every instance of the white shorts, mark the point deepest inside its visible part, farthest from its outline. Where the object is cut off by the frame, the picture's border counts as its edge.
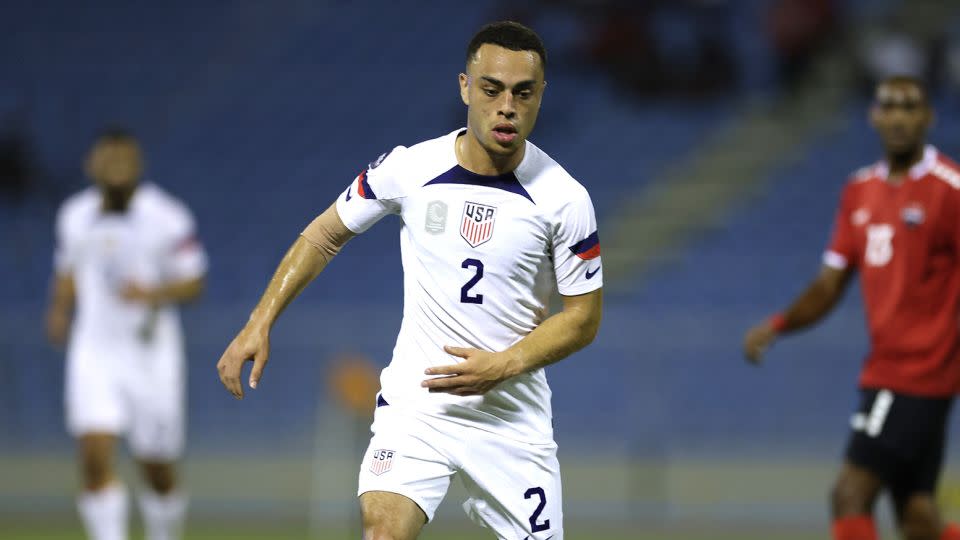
(514, 487)
(128, 390)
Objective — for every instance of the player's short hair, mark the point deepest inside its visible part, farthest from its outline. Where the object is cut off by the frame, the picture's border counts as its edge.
(909, 80)
(115, 134)
(509, 35)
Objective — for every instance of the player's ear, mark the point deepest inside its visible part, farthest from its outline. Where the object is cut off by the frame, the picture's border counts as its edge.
(465, 88)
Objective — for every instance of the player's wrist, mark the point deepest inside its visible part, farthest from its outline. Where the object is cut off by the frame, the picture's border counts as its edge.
(259, 324)
(513, 363)
(777, 322)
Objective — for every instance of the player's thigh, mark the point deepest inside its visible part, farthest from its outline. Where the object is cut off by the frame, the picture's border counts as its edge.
(514, 488)
(94, 398)
(158, 417)
(390, 516)
(900, 439)
(405, 458)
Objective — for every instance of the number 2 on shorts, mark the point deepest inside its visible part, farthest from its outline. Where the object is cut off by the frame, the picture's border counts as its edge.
(538, 491)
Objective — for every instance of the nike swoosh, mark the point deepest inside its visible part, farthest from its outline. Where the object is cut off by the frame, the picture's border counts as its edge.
(348, 193)
(590, 276)
(547, 538)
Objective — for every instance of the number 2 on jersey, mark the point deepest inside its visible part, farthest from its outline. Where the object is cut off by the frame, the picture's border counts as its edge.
(465, 296)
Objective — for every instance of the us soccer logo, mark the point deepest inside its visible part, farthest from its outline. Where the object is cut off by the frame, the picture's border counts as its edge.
(477, 224)
(382, 461)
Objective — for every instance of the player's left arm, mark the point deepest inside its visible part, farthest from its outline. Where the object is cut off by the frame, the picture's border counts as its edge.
(177, 292)
(556, 338)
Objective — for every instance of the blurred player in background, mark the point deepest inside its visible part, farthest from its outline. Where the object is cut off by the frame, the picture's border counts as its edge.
(898, 225)
(126, 255)
(491, 226)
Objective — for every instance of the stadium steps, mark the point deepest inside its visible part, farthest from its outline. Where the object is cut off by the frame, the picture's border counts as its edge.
(654, 224)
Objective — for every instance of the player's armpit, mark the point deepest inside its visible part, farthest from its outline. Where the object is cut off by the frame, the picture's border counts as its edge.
(327, 233)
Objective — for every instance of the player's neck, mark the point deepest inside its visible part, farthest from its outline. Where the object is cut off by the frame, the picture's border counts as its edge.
(900, 163)
(471, 155)
(116, 200)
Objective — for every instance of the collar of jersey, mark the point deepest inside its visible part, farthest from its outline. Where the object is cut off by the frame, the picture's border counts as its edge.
(919, 170)
(460, 176)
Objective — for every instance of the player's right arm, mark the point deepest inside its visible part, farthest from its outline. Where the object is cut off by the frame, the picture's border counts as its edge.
(304, 261)
(63, 296)
(839, 262)
(376, 192)
(807, 309)
(60, 309)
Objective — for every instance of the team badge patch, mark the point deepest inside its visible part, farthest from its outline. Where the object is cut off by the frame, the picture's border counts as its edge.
(436, 219)
(860, 217)
(382, 461)
(477, 224)
(913, 215)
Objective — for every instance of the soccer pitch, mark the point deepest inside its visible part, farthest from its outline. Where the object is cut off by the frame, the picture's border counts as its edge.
(231, 532)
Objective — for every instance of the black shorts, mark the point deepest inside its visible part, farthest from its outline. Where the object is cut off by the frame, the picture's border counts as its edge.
(900, 438)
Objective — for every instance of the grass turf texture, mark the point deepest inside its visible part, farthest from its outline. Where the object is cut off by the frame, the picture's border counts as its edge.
(228, 532)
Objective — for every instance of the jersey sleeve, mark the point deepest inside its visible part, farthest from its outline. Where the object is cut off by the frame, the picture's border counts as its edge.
(841, 252)
(576, 248)
(185, 257)
(64, 251)
(374, 193)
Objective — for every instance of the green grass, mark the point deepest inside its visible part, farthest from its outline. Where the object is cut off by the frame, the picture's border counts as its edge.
(228, 532)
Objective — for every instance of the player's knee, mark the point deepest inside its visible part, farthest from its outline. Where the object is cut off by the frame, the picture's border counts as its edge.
(161, 477)
(919, 519)
(96, 470)
(377, 525)
(380, 532)
(848, 498)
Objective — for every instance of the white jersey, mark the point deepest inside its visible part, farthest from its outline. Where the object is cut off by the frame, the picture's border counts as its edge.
(481, 257)
(153, 243)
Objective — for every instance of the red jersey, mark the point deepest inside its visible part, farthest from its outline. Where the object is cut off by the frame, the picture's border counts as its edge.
(904, 239)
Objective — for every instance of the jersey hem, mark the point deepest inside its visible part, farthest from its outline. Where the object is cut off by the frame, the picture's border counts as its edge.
(576, 291)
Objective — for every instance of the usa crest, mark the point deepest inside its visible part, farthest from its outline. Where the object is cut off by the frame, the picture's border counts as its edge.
(382, 461)
(477, 224)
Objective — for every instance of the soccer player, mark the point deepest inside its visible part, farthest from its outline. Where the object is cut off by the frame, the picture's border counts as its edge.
(490, 227)
(126, 255)
(898, 225)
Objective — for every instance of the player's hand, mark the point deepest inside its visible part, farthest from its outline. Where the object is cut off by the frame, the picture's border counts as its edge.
(134, 292)
(58, 327)
(758, 340)
(479, 372)
(252, 343)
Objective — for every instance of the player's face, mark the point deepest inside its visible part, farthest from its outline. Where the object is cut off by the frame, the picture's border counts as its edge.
(115, 165)
(902, 116)
(502, 90)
